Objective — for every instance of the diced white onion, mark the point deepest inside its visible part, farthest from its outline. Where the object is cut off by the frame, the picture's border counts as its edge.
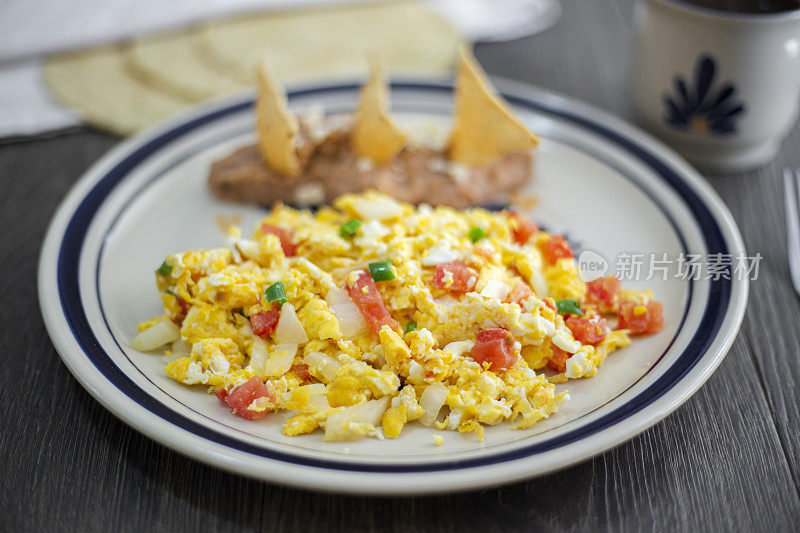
(259, 356)
(539, 284)
(373, 230)
(336, 427)
(280, 360)
(377, 208)
(341, 272)
(495, 289)
(318, 402)
(248, 248)
(314, 388)
(289, 329)
(245, 332)
(530, 328)
(322, 365)
(416, 372)
(459, 347)
(350, 318)
(158, 334)
(562, 340)
(438, 254)
(432, 399)
(179, 348)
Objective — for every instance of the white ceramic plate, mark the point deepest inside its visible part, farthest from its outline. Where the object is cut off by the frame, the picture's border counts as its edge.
(603, 182)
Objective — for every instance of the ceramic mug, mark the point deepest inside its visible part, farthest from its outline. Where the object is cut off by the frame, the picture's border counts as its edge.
(721, 87)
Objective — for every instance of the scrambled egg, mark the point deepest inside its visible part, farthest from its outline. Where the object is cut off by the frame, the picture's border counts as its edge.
(321, 355)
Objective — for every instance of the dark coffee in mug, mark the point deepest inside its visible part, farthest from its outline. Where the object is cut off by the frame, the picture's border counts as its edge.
(748, 6)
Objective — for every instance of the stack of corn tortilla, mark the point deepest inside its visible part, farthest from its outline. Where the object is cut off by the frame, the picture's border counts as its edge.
(132, 85)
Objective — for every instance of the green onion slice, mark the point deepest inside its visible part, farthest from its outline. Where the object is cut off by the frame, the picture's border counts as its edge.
(476, 234)
(348, 229)
(568, 306)
(275, 293)
(381, 271)
(165, 269)
(411, 326)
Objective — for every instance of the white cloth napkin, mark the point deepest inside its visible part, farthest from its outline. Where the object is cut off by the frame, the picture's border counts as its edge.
(30, 29)
(26, 107)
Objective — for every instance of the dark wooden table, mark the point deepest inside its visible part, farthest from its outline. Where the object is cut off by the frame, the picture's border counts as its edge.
(728, 459)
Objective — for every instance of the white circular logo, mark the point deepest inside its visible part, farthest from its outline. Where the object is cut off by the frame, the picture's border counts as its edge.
(592, 265)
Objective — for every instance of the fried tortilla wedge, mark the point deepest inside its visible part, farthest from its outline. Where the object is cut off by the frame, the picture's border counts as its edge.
(374, 135)
(484, 128)
(277, 127)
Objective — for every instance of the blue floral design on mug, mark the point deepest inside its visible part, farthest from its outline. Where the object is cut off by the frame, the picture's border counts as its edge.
(699, 106)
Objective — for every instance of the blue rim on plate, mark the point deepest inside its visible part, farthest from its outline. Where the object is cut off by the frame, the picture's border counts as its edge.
(69, 296)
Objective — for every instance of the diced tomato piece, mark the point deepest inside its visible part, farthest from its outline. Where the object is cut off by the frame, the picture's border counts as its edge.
(301, 370)
(522, 229)
(287, 242)
(494, 346)
(519, 293)
(242, 396)
(265, 322)
(558, 361)
(222, 394)
(603, 293)
(367, 297)
(587, 329)
(555, 248)
(491, 334)
(640, 319)
(455, 276)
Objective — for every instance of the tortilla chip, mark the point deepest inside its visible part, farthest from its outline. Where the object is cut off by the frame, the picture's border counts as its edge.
(374, 135)
(484, 128)
(276, 126)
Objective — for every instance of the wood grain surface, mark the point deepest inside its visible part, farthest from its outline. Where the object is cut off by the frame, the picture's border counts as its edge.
(727, 460)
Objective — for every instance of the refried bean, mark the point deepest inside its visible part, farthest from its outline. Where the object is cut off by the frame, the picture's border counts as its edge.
(416, 175)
